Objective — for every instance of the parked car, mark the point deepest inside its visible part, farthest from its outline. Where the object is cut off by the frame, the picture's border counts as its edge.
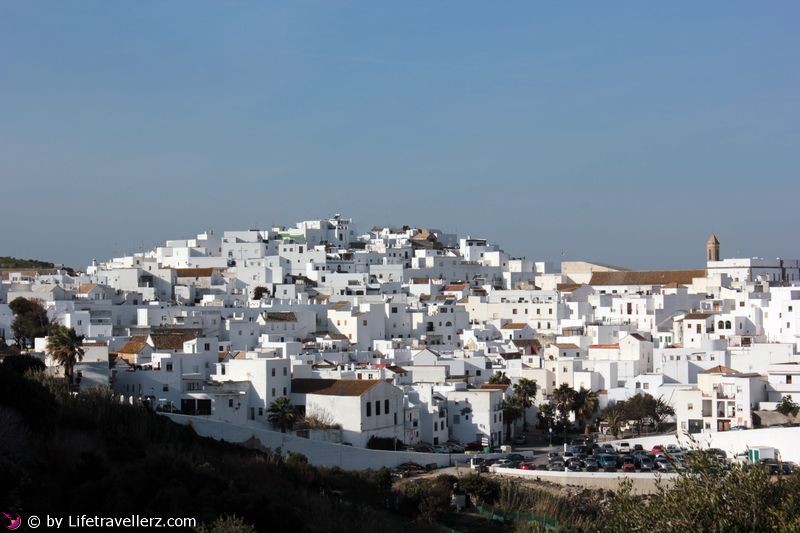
(556, 466)
(502, 463)
(527, 466)
(637, 447)
(608, 463)
(478, 464)
(591, 465)
(657, 449)
(624, 447)
(553, 456)
(408, 469)
(423, 448)
(440, 448)
(519, 439)
(716, 452)
(673, 449)
(663, 465)
(574, 466)
(515, 457)
(646, 463)
(455, 447)
(628, 464)
(773, 469)
(609, 448)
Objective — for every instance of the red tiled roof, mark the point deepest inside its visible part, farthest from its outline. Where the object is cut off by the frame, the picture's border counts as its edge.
(566, 346)
(194, 272)
(646, 277)
(333, 387)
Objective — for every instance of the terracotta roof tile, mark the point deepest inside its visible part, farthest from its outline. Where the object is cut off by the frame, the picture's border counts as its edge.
(171, 341)
(646, 277)
(514, 325)
(194, 272)
(333, 387)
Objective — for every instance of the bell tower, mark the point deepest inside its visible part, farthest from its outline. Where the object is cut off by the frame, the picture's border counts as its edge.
(712, 248)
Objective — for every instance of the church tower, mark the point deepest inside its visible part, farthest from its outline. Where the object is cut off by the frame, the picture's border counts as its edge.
(712, 248)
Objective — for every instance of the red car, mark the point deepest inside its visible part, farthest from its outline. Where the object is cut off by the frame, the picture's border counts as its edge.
(657, 449)
(527, 466)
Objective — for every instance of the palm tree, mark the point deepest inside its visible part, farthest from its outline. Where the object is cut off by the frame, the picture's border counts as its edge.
(281, 414)
(562, 396)
(661, 410)
(614, 415)
(64, 345)
(526, 390)
(511, 412)
(500, 378)
(585, 404)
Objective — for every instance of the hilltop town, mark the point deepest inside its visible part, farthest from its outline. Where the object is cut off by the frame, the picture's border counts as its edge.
(413, 338)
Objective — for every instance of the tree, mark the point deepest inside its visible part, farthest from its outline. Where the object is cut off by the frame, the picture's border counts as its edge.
(787, 406)
(526, 389)
(710, 495)
(64, 345)
(30, 321)
(660, 411)
(281, 414)
(615, 416)
(512, 410)
(546, 416)
(639, 408)
(259, 292)
(585, 404)
(500, 378)
(563, 397)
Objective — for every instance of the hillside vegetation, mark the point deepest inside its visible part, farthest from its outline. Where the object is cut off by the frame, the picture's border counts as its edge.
(64, 454)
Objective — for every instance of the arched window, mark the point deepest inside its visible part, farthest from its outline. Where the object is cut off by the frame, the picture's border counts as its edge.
(721, 324)
(727, 324)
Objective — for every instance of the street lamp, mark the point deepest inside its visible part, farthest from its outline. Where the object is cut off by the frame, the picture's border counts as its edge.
(551, 435)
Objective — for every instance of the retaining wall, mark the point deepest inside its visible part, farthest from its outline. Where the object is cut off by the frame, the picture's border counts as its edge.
(319, 453)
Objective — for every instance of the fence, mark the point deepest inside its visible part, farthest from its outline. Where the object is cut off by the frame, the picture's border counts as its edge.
(501, 515)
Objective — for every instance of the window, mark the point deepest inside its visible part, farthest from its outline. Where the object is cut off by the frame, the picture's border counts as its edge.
(690, 406)
(260, 411)
(273, 372)
(169, 367)
(369, 409)
(230, 402)
(284, 391)
(207, 347)
(788, 379)
(727, 324)
(285, 370)
(365, 322)
(273, 392)
(386, 406)
(377, 407)
(165, 388)
(223, 369)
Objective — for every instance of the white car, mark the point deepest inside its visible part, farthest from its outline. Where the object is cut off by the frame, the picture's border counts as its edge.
(624, 447)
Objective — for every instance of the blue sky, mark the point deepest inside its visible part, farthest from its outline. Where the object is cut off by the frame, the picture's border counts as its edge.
(622, 132)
